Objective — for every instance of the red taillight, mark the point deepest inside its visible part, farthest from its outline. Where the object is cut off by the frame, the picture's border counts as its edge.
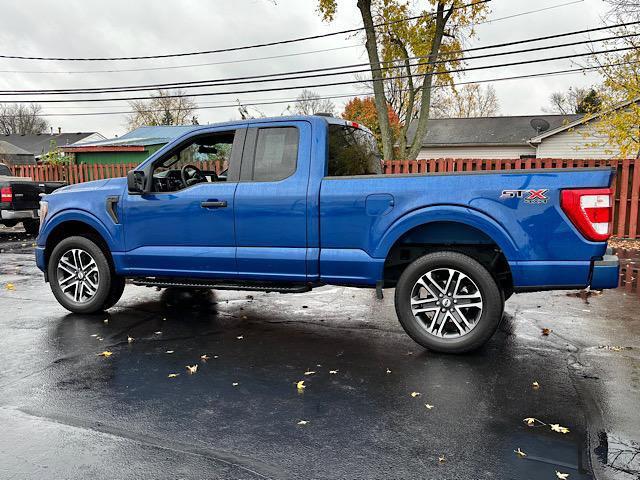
(590, 210)
(6, 195)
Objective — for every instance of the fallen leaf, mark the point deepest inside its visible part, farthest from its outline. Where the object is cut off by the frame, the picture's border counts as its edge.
(300, 386)
(441, 459)
(333, 372)
(192, 368)
(557, 428)
(100, 339)
(530, 421)
(235, 384)
(130, 339)
(106, 320)
(562, 476)
(240, 337)
(520, 453)
(309, 372)
(429, 407)
(215, 356)
(10, 286)
(535, 385)
(204, 357)
(302, 422)
(244, 317)
(106, 353)
(546, 331)
(388, 371)
(94, 335)
(173, 375)
(169, 351)
(415, 394)
(158, 333)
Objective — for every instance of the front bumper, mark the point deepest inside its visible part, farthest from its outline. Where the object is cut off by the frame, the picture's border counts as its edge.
(18, 214)
(605, 273)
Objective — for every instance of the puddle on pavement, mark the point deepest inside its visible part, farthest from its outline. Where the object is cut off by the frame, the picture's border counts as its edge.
(618, 453)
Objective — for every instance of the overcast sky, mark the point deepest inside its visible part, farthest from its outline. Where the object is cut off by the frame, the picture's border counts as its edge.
(77, 28)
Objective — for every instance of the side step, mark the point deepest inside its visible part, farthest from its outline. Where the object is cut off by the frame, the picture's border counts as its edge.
(217, 285)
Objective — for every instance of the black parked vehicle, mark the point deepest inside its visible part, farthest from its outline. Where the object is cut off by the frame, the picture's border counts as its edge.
(20, 199)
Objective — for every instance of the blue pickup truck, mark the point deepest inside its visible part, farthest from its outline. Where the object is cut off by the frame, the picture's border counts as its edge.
(304, 203)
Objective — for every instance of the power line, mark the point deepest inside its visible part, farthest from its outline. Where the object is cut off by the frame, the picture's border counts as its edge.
(299, 74)
(333, 97)
(274, 89)
(232, 49)
(255, 59)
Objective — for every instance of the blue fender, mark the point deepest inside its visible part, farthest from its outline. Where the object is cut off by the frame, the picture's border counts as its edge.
(448, 213)
(80, 216)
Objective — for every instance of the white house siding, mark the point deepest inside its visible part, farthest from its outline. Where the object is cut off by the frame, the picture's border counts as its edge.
(579, 142)
(478, 151)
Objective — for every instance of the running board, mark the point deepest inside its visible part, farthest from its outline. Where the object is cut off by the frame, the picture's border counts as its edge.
(196, 283)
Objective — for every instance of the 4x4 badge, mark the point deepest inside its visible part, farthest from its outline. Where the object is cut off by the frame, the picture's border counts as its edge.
(529, 195)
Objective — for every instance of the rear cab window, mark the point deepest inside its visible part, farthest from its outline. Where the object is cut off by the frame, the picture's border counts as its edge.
(276, 154)
(352, 151)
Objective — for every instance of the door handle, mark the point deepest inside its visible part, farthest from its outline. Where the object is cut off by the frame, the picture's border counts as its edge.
(214, 204)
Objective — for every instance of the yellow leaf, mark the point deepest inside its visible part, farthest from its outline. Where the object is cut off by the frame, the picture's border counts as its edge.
(309, 372)
(557, 428)
(300, 386)
(106, 320)
(192, 368)
(240, 337)
(158, 333)
(562, 476)
(215, 356)
(415, 394)
(94, 335)
(530, 421)
(204, 357)
(429, 407)
(520, 453)
(535, 385)
(546, 331)
(333, 372)
(441, 459)
(173, 375)
(130, 339)
(106, 353)
(235, 384)
(388, 371)
(169, 351)
(302, 422)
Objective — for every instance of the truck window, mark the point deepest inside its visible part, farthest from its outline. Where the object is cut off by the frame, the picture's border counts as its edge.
(352, 151)
(276, 154)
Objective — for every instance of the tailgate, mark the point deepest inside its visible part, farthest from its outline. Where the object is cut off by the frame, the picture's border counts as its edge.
(26, 195)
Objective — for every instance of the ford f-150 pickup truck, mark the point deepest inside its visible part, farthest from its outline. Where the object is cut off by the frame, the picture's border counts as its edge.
(20, 199)
(304, 203)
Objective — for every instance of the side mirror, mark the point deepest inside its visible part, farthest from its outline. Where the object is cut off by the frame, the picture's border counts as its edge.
(135, 182)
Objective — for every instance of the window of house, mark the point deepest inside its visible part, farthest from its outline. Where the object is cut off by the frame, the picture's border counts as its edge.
(276, 154)
(352, 151)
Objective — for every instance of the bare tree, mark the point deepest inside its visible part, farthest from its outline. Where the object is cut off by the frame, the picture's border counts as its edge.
(574, 100)
(310, 103)
(22, 119)
(167, 107)
(470, 101)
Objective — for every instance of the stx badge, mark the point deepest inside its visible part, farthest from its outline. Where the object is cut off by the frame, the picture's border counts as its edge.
(529, 196)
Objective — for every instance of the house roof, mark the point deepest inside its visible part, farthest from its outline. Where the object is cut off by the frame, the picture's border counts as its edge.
(140, 137)
(38, 144)
(7, 148)
(488, 131)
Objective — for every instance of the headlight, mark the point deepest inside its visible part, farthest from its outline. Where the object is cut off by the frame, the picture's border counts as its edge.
(42, 212)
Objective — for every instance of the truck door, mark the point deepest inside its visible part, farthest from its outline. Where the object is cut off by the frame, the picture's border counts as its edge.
(271, 202)
(184, 227)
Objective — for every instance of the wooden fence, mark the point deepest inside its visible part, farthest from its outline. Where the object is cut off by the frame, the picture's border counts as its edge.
(629, 270)
(626, 186)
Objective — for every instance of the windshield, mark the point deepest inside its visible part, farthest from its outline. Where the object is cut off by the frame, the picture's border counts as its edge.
(352, 151)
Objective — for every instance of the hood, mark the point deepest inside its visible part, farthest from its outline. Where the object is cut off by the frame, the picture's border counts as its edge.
(79, 187)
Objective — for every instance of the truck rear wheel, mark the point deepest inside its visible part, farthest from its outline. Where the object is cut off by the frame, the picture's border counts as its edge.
(448, 302)
(81, 278)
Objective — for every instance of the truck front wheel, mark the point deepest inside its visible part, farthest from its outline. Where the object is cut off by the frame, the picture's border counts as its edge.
(448, 302)
(81, 278)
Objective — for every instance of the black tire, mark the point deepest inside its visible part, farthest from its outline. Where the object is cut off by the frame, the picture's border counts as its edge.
(31, 226)
(109, 287)
(492, 302)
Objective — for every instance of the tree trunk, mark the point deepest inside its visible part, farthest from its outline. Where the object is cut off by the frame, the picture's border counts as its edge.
(425, 104)
(378, 83)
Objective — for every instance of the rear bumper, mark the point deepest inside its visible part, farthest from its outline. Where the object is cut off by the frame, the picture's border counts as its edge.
(605, 273)
(18, 214)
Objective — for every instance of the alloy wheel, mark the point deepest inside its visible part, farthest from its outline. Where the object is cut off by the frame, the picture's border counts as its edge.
(78, 276)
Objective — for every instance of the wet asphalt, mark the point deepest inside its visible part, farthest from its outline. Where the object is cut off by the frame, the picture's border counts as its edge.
(68, 413)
